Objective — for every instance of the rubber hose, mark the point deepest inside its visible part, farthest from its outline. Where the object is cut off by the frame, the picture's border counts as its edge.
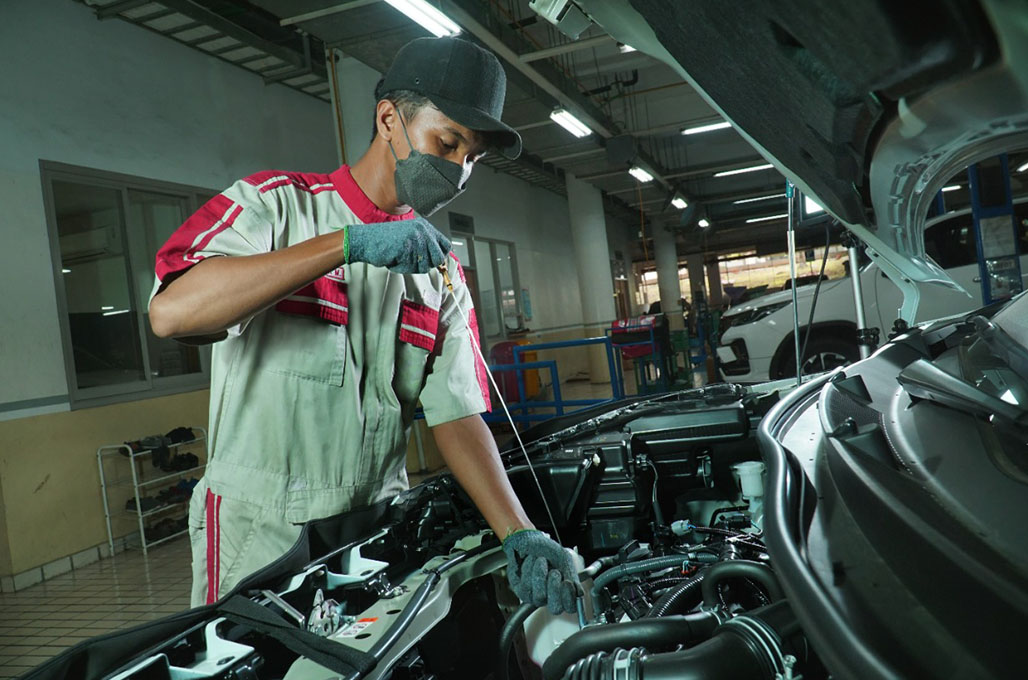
(650, 633)
(738, 569)
(723, 657)
(507, 635)
(679, 599)
(636, 568)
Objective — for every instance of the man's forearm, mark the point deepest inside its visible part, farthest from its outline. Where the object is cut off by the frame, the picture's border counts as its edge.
(219, 292)
(470, 452)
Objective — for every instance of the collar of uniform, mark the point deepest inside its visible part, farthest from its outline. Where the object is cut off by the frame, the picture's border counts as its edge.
(358, 201)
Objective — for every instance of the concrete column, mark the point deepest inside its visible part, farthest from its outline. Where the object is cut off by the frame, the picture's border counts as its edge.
(714, 283)
(633, 306)
(696, 278)
(592, 258)
(666, 258)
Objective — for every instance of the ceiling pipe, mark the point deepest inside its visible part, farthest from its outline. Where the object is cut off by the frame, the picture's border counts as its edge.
(566, 48)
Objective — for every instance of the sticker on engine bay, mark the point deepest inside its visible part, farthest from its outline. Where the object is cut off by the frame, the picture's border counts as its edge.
(357, 626)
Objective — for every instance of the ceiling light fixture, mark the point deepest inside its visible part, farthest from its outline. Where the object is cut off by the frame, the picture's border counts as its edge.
(703, 223)
(570, 123)
(758, 198)
(117, 311)
(625, 49)
(679, 203)
(707, 128)
(1023, 168)
(739, 171)
(640, 174)
(106, 308)
(430, 18)
(65, 271)
(767, 219)
(951, 187)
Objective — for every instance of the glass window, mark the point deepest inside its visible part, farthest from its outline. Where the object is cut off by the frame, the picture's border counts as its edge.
(503, 254)
(951, 242)
(106, 230)
(490, 312)
(102, 318)
(153, 217)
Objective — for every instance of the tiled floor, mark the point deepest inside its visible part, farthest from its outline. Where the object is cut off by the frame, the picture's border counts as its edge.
(40, 622)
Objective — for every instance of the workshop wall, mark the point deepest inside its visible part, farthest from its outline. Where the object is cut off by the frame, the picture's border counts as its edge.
(50, 483)
(106, 95)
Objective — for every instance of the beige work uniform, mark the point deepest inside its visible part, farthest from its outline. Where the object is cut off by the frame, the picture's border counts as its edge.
(312, 400)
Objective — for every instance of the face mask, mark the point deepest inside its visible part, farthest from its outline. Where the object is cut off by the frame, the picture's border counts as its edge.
(426, 182)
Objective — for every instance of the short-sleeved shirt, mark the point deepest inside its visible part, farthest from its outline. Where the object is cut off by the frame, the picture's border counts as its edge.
(312, 400)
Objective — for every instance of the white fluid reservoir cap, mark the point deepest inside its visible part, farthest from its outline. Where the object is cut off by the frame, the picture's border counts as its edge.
(751, 477)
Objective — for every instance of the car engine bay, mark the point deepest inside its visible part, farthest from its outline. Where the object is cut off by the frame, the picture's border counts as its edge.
(721, 532)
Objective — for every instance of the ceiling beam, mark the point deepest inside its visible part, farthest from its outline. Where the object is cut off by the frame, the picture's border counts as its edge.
(243, 35)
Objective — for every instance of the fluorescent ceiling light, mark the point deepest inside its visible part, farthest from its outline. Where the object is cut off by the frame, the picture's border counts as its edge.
(457, 243)
(106, 308)
(65, 271)
(707, 128)
(679, 203)
(117, 311)
(640, 174)
(431, 19)
(752, 168)
(703, 223)
(758, 198)
(951, 187)
(625, 49)
(1023, 168)
(567, 121)
(767, 219)
(810, 206)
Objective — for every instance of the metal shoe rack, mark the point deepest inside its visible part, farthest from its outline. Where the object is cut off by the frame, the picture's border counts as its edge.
(142, 479)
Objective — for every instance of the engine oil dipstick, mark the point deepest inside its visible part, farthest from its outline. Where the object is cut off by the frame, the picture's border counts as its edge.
(517, 435)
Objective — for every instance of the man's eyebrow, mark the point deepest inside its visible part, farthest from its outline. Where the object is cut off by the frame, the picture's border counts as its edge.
(479, 145)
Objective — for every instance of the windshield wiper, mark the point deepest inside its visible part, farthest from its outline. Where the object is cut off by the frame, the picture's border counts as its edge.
(924, 380)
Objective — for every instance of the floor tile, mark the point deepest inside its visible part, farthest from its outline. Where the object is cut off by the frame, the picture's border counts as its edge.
(43, 620)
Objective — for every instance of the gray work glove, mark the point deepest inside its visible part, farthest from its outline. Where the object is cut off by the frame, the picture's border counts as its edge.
(406, 247)
(540, 571)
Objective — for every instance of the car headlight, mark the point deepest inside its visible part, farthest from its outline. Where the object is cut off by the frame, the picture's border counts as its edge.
(752, 315)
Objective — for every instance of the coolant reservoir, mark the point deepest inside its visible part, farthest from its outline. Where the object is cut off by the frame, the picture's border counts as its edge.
(544, 632)
(751, 481)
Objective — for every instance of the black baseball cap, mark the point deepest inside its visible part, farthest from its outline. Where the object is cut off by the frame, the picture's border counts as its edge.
(463, 80)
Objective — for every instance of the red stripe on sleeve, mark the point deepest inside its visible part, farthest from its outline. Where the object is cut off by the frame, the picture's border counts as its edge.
(180, 251)
(480, 367)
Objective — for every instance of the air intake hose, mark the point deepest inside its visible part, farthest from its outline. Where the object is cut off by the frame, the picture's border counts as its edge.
(650, 633)
(751, 646)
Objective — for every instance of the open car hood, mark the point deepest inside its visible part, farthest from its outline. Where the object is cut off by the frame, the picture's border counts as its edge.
(869, 106)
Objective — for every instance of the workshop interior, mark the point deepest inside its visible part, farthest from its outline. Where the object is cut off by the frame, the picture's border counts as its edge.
(749, 308)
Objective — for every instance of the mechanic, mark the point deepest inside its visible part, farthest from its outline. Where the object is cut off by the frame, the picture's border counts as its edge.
(331, 321)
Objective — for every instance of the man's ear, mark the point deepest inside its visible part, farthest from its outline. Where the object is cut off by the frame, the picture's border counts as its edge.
(386, 119)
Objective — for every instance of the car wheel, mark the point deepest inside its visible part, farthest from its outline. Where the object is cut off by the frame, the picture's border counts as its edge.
(824, 353)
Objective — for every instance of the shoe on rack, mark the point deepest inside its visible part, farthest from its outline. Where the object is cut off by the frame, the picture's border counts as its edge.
(180, 434)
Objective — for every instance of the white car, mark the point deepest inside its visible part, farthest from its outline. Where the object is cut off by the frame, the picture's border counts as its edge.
(756, 342)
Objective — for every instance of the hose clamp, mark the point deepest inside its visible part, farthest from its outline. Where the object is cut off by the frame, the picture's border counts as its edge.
(625, 662)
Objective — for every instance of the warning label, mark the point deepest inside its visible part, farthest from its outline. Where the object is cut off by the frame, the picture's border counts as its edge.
(357, 627)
